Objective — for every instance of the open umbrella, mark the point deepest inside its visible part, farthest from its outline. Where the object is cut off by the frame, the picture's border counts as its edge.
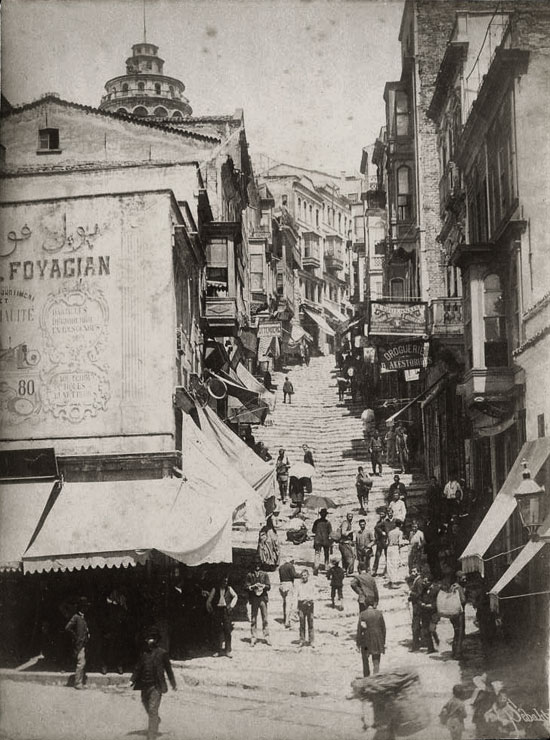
(319, 502)
(301, 470)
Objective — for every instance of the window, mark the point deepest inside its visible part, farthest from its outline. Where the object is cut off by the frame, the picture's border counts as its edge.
(401, 114)
(380, 248)
(122, 112)
(125, 87)
(256, 272)
(48, 139)
(157, 88)
(140, 111)
(161, 112)
(310, 214)
(340, 222)
(541, 427)
(494, 320)
(397, 288)
(284, 200)
(148, 65)
(515, 321)
(353, 197)
(467, 314)
(403, 194)
(176, 114)
(299, 207)
(317, 217)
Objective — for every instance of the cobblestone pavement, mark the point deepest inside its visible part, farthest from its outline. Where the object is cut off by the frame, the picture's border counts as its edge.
(278, 691)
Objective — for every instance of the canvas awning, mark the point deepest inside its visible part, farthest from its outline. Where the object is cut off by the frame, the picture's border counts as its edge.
(236, 389)
(536, 453)
(119, 523)
(22, 506)
(268, 347)
(418, 398)
(338, 315)
(352, 324)
(525, 557)
(320, 321)
(253, 384)
(297, 333)
(196, 446)
(260, 474)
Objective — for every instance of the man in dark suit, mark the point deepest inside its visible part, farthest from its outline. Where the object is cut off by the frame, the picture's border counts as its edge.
(257, 584)
(148, 677)
(78, 627)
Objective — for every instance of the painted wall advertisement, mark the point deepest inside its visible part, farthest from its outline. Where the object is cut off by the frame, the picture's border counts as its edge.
(61, 327)
(405, 355)
(398, 318)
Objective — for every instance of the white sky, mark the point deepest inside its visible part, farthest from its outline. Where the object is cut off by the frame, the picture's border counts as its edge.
(309, 74)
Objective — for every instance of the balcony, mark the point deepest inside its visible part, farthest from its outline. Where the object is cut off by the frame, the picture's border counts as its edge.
(491, 389)
(312, 256)
(450, 191)
(221, 315)
(446, 317)
(334, 259)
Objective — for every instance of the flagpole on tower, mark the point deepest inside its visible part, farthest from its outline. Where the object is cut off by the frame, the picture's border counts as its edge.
(144, 24)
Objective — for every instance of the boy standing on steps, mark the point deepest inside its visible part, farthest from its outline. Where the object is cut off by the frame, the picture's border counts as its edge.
(336, 575)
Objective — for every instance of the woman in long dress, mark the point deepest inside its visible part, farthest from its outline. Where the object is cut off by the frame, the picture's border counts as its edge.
(395, 543)
(268, 544)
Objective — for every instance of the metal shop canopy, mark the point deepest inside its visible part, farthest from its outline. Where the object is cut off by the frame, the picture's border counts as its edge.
(196, 448)
(22, 506)
(253, 469)
(320, 321)
(525, 556)
(119, 523)
(536, 453)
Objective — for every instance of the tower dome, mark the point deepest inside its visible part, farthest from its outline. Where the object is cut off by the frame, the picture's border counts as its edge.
(144, 90)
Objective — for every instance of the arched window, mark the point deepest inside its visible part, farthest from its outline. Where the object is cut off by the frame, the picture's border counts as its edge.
(161, 112)
(141, 86)
(140, 111)
(340, 222)
(125, 87)
(397, 288)
(299, 207)
(122, 112)
(176, 114)
(157, 88)
(310, 214)
(494, 319)
(404, 194)
(401, 114)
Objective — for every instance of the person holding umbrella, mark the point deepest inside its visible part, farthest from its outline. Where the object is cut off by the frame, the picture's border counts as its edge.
(322, 529)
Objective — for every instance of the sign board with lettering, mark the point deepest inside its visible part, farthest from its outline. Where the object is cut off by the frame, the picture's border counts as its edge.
(398, 318)
(270, 329)
(84, 285)
(404, 355)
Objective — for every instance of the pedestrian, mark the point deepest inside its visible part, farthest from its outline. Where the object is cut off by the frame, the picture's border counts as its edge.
(268, 543)
(416, 547)
(371, 637)
(308, 456)
(380, 541)
(365, 587)
(434, 494)
(267, 380)
(402, 447)
(336, 575)
(416, 588)
(305, 596)
(363, 484)
(376, 447)
(113, 626)
(453, 713)
(450, 604)
(322, 530)
(398, 486)
(78, 628)
(257, 584)
(342, 384)
(364, 541)
(282, 466)
(397, 508)
(346, 545)
(288, 390)
(428, 611)
(149, 678)
(220, 603)
(452, 496)
(287, 576)
(482, 701)
(307, 355)
(431, 547)
(389, 441)
(395, 543)
(499, 718)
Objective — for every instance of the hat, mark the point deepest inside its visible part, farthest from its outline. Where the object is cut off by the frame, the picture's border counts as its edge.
(323, 511)
(153, 633)
(83, 602)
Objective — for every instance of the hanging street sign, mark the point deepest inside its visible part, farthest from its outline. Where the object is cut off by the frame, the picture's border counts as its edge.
(270, 329)
(404, 355)
(399, 318)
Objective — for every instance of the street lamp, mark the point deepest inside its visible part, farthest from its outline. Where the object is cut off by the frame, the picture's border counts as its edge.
(530, 497)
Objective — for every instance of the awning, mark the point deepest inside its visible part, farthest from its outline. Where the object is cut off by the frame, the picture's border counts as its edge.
(22, 506)
(320, 321)
(352, 324)
(260, 474)
(119, 523)
(268, 347)
(297, 333)
(536, 453)
(196, 446)
(253, 384)
(342, 318)
(425, 392)
(525, 556)
(236, 389)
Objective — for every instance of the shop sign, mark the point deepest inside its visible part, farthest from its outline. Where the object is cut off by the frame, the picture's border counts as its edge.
(398, 318)
(403, 356)
(270, 329)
